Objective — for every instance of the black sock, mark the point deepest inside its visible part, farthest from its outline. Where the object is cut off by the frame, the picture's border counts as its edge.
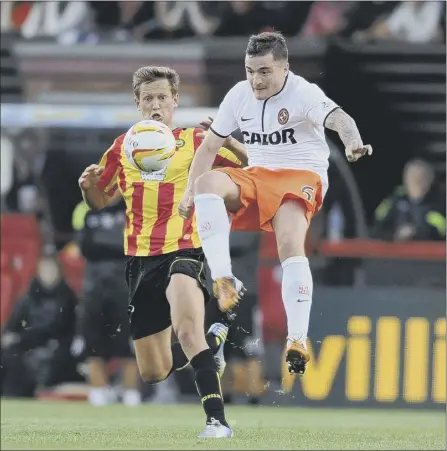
(208, 385)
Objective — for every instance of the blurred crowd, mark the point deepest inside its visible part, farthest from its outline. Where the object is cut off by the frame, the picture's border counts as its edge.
(72, 22)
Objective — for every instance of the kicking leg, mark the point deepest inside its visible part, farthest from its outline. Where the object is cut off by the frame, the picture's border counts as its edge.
(215, 192)
(188, 315)
(290, 226)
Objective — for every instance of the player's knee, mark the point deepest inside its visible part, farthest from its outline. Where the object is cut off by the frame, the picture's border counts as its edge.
(290, 244)
(205, 184)
(151, 374)
(186, 332)
(290, 225)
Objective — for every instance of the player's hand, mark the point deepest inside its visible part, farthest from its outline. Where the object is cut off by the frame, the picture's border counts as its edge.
(206, 124)
(356, 149)
(185, 206)
(90, 177)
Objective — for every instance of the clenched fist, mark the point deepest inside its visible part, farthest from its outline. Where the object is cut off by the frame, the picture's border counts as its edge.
(90, 177)
(356, 149)
(186, 205)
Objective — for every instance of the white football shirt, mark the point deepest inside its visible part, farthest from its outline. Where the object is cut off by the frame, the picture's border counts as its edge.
(285, 131)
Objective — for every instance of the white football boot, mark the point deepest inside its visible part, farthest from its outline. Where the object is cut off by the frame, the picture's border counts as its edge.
(215, 429)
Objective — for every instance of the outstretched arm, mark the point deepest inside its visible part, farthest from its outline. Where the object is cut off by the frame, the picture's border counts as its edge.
(339, 121)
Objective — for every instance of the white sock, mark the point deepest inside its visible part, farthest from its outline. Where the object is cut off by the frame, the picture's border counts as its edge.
(297, 288)
(213, 227)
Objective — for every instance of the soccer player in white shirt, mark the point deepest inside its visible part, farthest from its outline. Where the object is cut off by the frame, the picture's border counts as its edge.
(282, 118)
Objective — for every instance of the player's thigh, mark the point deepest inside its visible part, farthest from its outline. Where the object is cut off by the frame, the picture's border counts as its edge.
(187, 306)
(217, 182)
(187, 293)
(290, 225)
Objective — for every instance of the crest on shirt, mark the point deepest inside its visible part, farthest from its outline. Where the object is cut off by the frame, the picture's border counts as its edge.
(283, 116)
(179, 142)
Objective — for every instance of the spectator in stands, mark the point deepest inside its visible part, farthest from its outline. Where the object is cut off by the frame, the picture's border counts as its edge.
(243, 349)
(325, 19)
(104, 319)
(242, 18)
(363, 15)
(126, 21)
(413, 212)
(416, 22)
(37, 337)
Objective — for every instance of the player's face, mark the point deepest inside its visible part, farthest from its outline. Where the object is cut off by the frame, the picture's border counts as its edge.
(265, 75)
(156, 101)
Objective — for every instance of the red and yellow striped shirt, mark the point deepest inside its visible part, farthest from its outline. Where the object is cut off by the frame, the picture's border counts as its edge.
(153, 225)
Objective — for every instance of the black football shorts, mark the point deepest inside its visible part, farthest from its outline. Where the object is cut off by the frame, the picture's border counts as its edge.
(148, 278)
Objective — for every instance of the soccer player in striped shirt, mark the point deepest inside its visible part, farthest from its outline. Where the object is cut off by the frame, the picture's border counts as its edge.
(165, 269)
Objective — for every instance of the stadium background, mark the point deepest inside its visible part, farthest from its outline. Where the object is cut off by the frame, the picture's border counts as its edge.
(378, 321)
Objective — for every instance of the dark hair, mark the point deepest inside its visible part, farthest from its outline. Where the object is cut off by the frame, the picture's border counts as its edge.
(148, 74)
(268, 42)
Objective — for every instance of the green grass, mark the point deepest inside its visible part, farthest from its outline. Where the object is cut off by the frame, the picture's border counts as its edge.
(76, 425)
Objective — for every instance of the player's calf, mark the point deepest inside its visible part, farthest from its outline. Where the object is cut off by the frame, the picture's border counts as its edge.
(290, 226)
(154, 357)
(188, 316)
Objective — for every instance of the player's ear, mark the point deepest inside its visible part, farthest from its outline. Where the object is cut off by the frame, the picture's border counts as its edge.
(286, 67)
(176, 100)
(137, 102)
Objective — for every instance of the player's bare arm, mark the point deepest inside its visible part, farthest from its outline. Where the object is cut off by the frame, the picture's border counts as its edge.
(93, 197)
(230, 143)
(202, 162)
(349, 134)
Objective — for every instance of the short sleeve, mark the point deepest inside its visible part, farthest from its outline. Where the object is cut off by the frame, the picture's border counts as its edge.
(110, 161)
(315, 105)
(225, 122)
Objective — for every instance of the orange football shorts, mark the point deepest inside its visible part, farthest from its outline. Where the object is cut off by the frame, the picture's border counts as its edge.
(264, 190)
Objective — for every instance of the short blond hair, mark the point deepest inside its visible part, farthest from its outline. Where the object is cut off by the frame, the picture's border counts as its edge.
(148, 74)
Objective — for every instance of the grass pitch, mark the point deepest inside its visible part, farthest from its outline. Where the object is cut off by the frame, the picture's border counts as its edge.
(76, 425)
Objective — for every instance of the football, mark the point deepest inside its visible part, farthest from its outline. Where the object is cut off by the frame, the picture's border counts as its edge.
(149, 145)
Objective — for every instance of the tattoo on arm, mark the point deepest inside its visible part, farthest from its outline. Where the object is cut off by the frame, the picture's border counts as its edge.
(344, 125)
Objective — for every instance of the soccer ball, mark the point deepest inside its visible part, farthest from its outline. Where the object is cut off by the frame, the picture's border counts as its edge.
(149, 145)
